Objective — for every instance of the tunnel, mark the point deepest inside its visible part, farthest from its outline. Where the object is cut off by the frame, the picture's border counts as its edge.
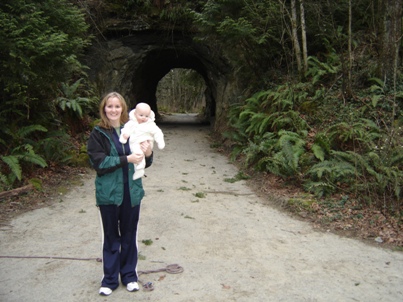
(156, 65)
(133, 63)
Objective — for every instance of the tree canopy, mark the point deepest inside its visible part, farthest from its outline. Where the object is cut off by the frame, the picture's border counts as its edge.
(40, 47)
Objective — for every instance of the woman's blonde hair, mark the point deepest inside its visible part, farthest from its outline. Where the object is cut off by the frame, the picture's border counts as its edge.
(104, 122)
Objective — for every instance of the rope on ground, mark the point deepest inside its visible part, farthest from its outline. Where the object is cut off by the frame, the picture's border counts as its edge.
(171, 269)
(228, 192)
(52, 257)
(147, 286)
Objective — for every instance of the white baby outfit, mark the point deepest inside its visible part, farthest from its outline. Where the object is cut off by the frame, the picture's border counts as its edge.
(138, 133)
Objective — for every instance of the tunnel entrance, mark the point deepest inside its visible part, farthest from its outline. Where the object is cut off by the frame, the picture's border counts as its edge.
(165, 62)
(136, 63)
(181, 97)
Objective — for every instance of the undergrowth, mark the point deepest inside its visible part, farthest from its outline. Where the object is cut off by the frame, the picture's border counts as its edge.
(295, 132)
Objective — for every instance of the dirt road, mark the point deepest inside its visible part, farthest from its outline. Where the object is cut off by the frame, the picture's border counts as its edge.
(232, 247)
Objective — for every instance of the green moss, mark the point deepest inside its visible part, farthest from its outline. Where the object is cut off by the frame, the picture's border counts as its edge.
(301, 202)
(147, 241)
(200, 195)
(37, 183)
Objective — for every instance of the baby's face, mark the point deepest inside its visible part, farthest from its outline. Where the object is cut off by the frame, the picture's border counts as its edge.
(142, 114)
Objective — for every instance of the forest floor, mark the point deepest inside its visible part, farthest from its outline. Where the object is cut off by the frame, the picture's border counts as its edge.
(237, 239)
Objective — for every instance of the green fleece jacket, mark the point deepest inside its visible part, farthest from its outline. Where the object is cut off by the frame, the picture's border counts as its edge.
(109, 181)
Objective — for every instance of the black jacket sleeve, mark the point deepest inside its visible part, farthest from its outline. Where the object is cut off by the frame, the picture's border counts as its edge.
(99, 152)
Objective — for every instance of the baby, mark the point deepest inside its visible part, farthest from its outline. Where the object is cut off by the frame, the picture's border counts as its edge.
(141, 127)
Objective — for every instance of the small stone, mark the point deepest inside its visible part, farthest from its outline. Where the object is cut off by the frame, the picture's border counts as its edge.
(378, 239)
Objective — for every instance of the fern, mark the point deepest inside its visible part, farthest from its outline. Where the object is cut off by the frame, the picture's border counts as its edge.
(4, 183)
(396, 158)
(233, 29)
(20, 135)
(286, 151)
(318, 70)
(70, 102)
(269, 111)
(30, 157)
(260, 146)
(258, 123)
(386, 169)
(24, 132)
(319, 188)
(13, 164)
(329, 173)
(290, 120)
(56, 147)
(361, 135)
(318, 152)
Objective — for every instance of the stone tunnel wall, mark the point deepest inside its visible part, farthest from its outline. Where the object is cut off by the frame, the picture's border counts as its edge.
(134, 64)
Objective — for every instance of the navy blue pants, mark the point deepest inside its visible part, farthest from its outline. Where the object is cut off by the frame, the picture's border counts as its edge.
(120, 252)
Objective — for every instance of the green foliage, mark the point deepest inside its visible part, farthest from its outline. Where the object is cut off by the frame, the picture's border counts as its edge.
(39, 44)
(231, 28)
(40, 48)
(238, 177)
(325, 176)
(258, 148)
(270, 110)
(11, 165)
(323, 71)
(19, 135)
(269, 133)
(71, 101)
(147, 241)
(56, 147)
(347, 147)
(284, 156)
(19, 151)
(181, 90)
(350, 154)
(355, 164)
(360, 135)
(266, 117)
(36, 183)
(321, 146)
(243, 31)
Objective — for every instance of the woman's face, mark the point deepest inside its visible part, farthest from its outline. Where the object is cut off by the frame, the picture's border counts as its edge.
(113, 111)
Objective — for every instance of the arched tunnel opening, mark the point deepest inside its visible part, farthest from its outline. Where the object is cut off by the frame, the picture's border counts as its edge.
(181, 91)
(134, 63)
(155, 65)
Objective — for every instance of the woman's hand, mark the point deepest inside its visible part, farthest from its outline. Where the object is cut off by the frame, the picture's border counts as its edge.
(135, 158)
(146, 148)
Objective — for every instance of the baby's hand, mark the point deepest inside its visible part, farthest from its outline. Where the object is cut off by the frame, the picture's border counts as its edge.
(161, 145)
(123, 138)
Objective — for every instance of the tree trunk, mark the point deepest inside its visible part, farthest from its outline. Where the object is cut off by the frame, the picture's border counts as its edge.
(391, 36)
(16, 192)
(303, 35)
(297, 47)
(349, 92)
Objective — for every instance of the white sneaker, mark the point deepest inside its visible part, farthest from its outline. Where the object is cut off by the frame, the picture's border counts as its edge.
(132, 287)
(105, 291)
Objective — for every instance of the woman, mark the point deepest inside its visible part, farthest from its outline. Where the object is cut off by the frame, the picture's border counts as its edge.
(118, 196)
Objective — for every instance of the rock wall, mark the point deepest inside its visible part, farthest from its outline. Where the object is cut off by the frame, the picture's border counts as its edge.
(133, 64)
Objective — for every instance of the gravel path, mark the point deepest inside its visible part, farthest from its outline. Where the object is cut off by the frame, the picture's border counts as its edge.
(232, 247)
